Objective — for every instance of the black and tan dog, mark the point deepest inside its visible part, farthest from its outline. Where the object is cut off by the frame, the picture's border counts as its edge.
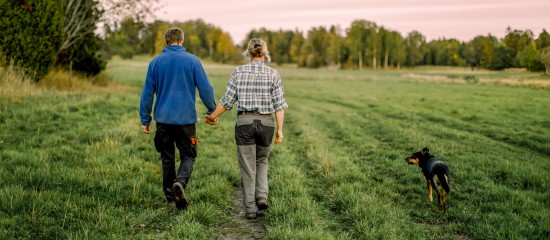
(436, 173)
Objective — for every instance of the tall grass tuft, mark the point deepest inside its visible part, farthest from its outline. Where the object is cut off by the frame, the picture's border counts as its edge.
(62, 80)
(14, 85)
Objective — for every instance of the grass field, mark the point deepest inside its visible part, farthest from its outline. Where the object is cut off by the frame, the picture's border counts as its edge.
(74, 164)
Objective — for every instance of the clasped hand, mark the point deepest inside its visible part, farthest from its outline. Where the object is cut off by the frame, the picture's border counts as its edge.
(210, 120)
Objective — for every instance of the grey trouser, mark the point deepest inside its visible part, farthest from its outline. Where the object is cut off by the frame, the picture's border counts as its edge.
(253, 135)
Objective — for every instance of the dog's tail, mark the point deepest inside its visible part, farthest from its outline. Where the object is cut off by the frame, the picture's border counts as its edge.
(443, 179)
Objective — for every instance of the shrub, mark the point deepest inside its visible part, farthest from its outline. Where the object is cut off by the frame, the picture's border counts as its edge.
(471, 79)
(126, 52)
(32, 33)
(84, 55)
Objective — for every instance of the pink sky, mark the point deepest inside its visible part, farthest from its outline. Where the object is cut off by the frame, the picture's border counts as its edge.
(462, 19)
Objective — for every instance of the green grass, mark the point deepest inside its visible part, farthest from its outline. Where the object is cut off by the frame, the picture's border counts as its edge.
(75, 165)
(350, 134)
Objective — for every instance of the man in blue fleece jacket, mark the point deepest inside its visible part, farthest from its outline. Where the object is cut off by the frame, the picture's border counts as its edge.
(173, 76)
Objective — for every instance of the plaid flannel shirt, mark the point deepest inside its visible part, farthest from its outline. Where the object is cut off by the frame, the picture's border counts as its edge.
(255, 87)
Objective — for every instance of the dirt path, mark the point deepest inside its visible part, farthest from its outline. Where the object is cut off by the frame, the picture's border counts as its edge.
(240, 227)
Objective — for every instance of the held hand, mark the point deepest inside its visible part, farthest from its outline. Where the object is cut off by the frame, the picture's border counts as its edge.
(145, 129)
(210, 120)
(279, 136)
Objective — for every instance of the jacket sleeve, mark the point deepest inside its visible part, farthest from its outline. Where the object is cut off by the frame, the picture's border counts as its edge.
(147, 95)
(206, 91)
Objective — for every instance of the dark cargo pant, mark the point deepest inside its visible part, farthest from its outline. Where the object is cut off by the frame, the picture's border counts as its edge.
(183, 137)
(253, 135)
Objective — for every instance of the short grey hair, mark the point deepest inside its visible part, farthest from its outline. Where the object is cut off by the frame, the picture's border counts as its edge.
(173, 35)
(257, 47)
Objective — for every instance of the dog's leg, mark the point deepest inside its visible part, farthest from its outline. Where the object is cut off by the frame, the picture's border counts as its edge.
(430, 191)
(437, 185)
(443, 203)
(439, 202)
(445, 193)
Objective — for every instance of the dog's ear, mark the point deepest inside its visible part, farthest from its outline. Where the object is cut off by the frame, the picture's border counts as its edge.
(425, 151)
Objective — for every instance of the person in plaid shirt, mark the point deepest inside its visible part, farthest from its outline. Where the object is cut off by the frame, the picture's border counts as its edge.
(258, 91)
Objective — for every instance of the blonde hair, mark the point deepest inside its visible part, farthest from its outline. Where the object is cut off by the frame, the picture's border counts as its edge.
(257, 47)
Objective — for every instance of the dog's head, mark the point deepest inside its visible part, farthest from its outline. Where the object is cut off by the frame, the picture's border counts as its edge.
(414, 159)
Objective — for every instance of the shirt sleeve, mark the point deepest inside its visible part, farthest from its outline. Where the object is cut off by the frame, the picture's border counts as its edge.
(230, 95)
(147, 95)
(278, 94)
(206, 91)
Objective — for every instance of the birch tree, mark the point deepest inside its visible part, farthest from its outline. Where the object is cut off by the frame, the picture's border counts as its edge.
(82, 16)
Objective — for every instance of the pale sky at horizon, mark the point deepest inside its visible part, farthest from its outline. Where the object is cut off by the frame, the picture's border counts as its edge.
(435, 19)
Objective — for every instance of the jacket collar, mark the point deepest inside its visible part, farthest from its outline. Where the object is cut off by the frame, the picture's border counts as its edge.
(174, 48)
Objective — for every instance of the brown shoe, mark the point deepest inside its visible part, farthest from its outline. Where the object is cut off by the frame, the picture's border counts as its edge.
(181, 200)
(262, 203)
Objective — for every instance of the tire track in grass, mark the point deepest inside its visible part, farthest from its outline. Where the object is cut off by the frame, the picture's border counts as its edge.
(434, 130)
(425, 120)
(350, 136)
(294, 211)
(340, 185)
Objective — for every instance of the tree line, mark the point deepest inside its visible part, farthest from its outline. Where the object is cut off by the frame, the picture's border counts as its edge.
(132, 37)
(362, 45)
(38, 35)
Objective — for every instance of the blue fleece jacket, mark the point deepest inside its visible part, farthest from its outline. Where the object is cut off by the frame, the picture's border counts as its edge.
(173, 76)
